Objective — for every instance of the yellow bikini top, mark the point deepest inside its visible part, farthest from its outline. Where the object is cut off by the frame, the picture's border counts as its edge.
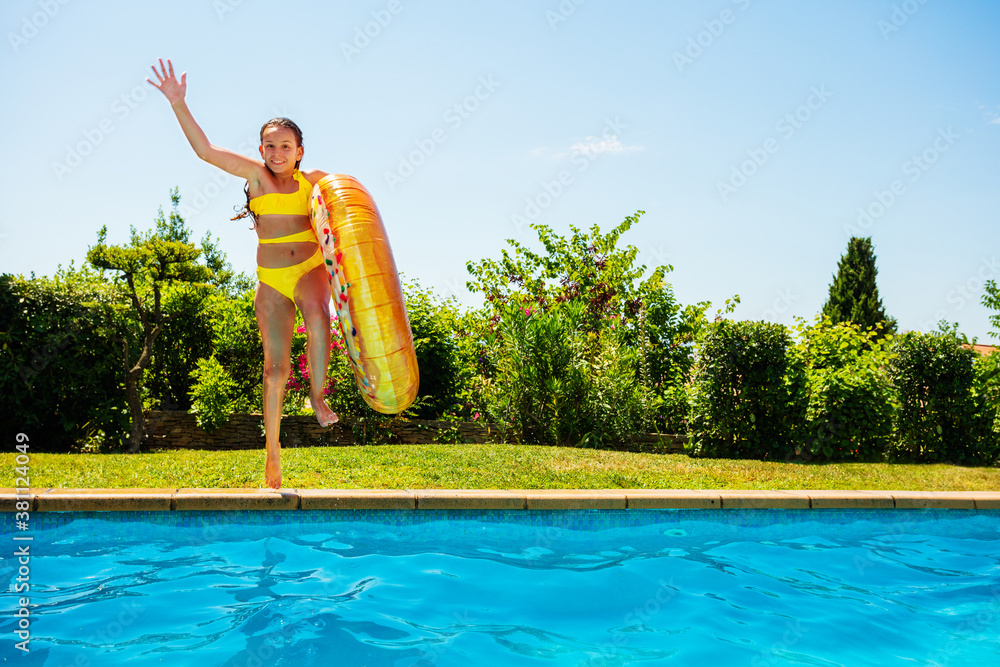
(276, 203)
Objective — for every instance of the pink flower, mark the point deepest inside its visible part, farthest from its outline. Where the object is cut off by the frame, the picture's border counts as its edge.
(475, 417)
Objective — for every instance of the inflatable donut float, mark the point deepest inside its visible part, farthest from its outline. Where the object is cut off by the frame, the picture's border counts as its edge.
(365, 288)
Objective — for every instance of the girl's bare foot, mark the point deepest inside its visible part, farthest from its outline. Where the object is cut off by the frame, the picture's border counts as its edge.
(272, 468)
(324, 415)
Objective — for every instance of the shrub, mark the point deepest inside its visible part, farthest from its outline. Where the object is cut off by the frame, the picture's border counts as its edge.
(612, 316)
(183, 342)
(60, 371)
(212, 394)
(617, 404)
(938, 416)
(443, 376)
(539, 383)
(986, 387)
(674, 409)
(236, 345)
(841, 393)
(233, 362)
(556, 383)
(338, 384)
(739, 402)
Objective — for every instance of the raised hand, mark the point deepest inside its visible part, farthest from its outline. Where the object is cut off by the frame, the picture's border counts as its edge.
(173, 89)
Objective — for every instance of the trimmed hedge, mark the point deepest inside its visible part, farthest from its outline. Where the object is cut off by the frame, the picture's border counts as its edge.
(939, 416)
(60, 372)
(842, 396)
(740, 404)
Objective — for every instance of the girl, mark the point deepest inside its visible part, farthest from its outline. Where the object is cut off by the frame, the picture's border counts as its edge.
(290, 264)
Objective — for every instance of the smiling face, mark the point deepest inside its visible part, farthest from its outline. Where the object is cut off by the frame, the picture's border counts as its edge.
(280, 150)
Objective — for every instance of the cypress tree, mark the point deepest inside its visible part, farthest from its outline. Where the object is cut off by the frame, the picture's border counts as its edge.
(854, 294)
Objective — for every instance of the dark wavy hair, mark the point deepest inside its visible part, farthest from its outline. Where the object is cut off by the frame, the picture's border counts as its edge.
(274, 122)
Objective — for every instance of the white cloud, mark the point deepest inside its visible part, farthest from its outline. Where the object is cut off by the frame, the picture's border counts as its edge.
(591, 146)
(995, 121)
(598, 145)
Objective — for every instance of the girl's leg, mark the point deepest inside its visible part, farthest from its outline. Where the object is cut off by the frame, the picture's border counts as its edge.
(276, 321)
(312, 295)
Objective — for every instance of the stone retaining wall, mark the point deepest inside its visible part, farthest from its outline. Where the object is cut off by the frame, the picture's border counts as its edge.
(179, 430)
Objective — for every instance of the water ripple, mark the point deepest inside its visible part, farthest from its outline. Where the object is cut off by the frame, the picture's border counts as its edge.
(849, 594)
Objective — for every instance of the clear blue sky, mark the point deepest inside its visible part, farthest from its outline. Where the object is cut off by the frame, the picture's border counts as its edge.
(750, 132)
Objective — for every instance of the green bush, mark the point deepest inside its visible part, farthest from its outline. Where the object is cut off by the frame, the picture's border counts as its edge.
(740, 405)
(183, 342)
(538, 385)
(557, 383)
(612, 315)
(618, 403)
(443, 376)
(674, 409)
(61, 370)
(212, 394)
(235, 344)
(232, 361)
(841, 393)
(939, 417)
(986, 387)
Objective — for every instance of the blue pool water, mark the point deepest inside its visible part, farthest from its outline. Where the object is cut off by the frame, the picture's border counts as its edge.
(632, 587)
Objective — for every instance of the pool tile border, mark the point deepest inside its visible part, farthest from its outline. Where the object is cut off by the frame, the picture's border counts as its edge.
(190, 499)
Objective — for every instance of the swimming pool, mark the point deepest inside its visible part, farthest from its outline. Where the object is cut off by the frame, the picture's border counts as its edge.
(524, 587)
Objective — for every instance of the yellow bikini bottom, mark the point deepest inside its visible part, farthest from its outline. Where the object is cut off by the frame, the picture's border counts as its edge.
(287, 277)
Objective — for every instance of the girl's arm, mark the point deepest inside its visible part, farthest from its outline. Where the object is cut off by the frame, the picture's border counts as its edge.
(228, 161)
(314, 175)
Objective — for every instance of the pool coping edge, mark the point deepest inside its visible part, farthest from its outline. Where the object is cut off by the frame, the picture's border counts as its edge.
(187, 499)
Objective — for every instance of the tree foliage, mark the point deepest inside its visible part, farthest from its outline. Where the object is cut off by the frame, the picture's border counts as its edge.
(940, 416)
(740, 403)
(590, 269)
(59, 373)
(148, 264)
(840, 392)
(991, 299)
(444, 379)
(854, 295)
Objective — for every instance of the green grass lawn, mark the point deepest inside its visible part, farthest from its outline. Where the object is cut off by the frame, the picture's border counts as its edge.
(481, 467)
